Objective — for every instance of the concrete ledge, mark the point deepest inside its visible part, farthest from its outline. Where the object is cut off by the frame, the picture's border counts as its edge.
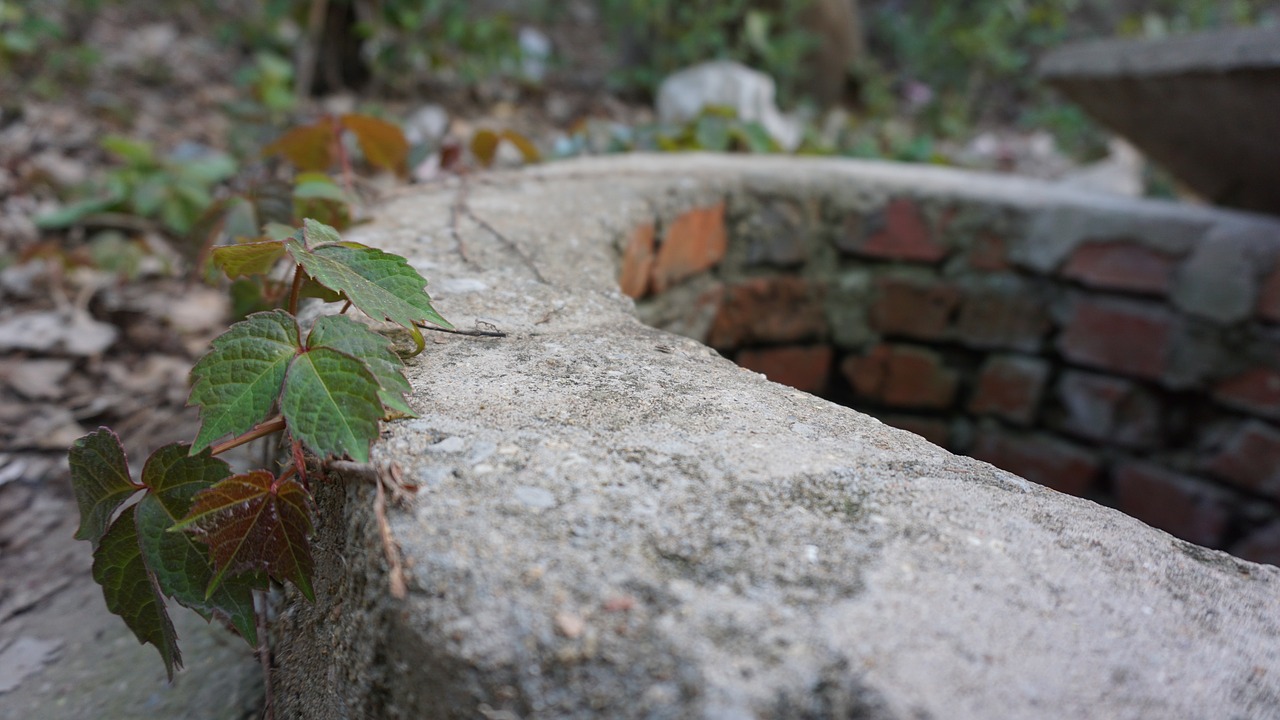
(616, 522)
(1206, 106)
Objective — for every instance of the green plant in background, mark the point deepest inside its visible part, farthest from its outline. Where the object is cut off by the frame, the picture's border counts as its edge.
(405, 41)
(171, 191)
(23, 32)
(269, 81)
(1157, 18)
(658, 37)
(977, 58)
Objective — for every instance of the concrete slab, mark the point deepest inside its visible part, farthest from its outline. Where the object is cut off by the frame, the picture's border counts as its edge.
(616, 522)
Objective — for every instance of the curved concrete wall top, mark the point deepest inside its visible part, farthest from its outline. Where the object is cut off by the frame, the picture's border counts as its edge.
(616, 522)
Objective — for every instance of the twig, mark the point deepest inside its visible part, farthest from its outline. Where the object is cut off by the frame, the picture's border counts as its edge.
(459, 207)
(468, 333)
(395, 571)
(369, 473)
(119, 221)
(455, 209)
(528, 261)
(305, 56)
(264, 651)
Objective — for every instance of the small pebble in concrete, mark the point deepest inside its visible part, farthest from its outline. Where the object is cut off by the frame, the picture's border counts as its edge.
(534, 497)
(449, 445)
(481, 451)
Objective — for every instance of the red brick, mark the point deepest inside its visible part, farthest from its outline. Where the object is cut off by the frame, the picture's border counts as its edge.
(1121, 265)
(989, 253)
(1043, 459)
(1126, 337)
(1254, 390)
(899, 233)
(1001, 312)
(902, 376)
(803, 368)
(1010, 386)
(1261, 546)
(694, 242)
(935, 430)
(1251, 459)
(913, 308)
(1178, 504)
(637, 261)
(1109, 409)
(1269, 298)
(777, 309)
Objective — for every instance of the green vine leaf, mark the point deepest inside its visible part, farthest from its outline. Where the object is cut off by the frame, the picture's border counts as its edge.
(348, 336)
(255, 522)
(100, 480)
(181, 565)
(383, 286)
(246, 259)
(131, 590)
(331, 403)
(238, 381)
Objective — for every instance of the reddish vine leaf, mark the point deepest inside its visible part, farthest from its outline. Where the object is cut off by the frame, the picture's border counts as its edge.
(254, 522)
(382, 143)
(484, 145)
(237, 382)
(331, 403)
(181, 565)
(309, 148)
(348, 336)
(246, 259)
(526, 147)
(131, 590)
(100, 480)
(383, 286)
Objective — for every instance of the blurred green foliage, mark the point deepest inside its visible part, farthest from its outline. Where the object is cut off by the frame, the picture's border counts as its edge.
(659, 37)
(175, 192)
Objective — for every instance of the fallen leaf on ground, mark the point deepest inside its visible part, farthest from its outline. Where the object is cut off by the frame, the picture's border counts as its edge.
(40, 379)
(49, 427)
(72, 333)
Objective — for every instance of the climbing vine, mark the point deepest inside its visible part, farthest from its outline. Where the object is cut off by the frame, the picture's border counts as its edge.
(197, 532)
(190, 528)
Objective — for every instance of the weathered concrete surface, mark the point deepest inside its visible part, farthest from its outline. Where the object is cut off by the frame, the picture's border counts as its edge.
(615, 522)
(1205, 105)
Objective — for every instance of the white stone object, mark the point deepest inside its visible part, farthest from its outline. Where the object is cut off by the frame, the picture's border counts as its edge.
(427, 125)
(684, 95)
(535, 53)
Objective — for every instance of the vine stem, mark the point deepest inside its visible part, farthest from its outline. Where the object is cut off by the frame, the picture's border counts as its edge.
(340, 150)
(262, 429)
(295, 290)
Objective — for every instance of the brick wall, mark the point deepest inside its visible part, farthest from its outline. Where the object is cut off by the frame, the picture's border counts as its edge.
(1127, 354)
